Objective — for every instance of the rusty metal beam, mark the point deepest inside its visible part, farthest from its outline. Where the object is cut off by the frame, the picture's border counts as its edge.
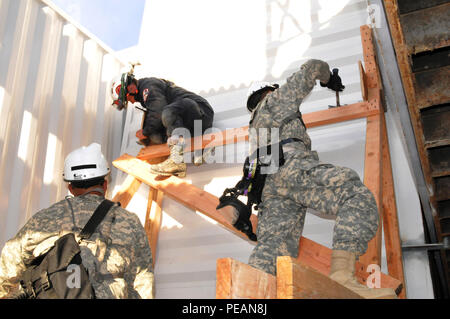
(427, 29)
(403, 57)
(436, 123)
(415, 32)
(431, 60)
(406, 6)
(440, 161)
(442, 188)
(432, 87)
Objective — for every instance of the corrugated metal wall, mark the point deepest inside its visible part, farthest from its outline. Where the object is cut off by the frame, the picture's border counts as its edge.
(54, 98)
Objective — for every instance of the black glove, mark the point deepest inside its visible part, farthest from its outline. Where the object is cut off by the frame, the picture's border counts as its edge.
(335, 82)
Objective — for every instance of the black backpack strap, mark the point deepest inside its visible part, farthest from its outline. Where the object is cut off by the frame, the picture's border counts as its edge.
(96, 218)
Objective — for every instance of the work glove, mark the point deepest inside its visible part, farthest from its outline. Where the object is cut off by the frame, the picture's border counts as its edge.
(335, 82)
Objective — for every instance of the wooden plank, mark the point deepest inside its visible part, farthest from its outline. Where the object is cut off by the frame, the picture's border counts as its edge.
(206, 203)
(178, 189)
(231, 136)
(153, 219)
(236, 280)
(128, 189)
(148, 222)
(340, 114)
(319, 257)
(372, 179)
(362, 78)
(296, 280)
(392, 239)
(373, 79)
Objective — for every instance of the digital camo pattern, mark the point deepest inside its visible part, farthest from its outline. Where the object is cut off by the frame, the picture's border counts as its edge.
(117, 256)
(303, 181)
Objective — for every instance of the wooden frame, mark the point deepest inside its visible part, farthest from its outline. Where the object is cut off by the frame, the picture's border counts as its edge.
(241, 281)
(126, 192)
(311, 254)
(153, 219)
(296, 280)
(231, 136)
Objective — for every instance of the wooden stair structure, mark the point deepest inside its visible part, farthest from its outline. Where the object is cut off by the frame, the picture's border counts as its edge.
(305, 276)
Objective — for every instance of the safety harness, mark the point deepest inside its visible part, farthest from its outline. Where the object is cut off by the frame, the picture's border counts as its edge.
(253, 180)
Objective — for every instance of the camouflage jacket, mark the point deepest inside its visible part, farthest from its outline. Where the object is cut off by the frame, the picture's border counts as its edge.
(285, 101)
(117, 256)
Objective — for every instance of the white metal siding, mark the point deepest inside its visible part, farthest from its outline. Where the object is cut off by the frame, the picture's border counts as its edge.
(54, 98)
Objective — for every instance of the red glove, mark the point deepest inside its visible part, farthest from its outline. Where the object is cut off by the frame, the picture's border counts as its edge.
(140, 135)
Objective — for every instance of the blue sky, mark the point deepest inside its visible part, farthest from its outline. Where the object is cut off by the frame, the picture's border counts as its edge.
(116, 22)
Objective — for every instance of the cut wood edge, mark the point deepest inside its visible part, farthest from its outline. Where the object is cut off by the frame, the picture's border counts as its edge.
(296, 280)
(319, 257)
(237, 280)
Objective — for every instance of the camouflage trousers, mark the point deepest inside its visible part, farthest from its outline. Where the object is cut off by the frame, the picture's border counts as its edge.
(304, 182)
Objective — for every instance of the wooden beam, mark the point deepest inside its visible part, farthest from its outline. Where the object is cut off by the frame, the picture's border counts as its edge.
(296, 280)
(236, 280)
(372, 179)
(319, 257)
(340, 114)
(206, 203)
(373, 78)
(178, 189)
(362, 78)
(390, 219)
(153, 219)
(127, 190)
(372, 164)
(231, 136)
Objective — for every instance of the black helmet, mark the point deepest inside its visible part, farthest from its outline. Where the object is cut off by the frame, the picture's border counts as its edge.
(255, 92)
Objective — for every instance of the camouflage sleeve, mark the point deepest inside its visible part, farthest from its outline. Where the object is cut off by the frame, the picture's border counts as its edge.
(15, 253)
(288, 97)
(11, 266)
(18, 251)
(141, 277)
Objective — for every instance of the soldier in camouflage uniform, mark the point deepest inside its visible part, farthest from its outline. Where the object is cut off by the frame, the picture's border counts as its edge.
(117, 256)
(303, 181)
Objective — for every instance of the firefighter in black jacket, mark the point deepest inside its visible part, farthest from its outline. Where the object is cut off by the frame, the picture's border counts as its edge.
(167, 108)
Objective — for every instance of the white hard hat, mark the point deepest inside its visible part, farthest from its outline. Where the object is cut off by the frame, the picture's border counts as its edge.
(119, 90)
(257, 87)
(85, 163)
